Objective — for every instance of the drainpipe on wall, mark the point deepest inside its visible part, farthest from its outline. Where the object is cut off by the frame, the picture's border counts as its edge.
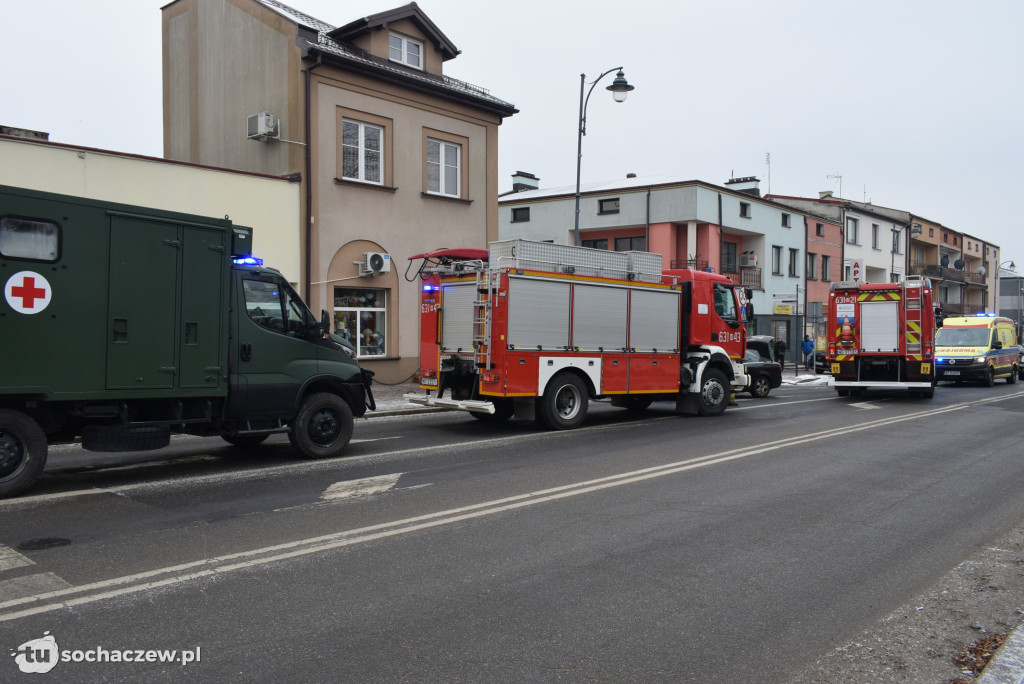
(647, 230)
(721, 235)
(307, 293)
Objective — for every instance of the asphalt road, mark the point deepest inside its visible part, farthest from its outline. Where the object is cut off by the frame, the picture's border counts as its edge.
(737, 548)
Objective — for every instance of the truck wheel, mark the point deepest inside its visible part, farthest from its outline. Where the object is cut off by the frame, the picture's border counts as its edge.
(761, 387)
(714, 393)
(564, 404)
(503, 410)
(22, 452)
(244, 440)
(323, 426)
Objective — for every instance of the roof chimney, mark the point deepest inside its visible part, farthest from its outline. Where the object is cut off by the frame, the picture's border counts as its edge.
(748, 185)
(522, 181)
(825, 194)
(630, 175)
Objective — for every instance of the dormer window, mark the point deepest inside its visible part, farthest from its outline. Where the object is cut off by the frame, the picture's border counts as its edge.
(406, 50)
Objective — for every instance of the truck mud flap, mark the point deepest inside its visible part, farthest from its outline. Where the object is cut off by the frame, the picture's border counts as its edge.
(367, 381)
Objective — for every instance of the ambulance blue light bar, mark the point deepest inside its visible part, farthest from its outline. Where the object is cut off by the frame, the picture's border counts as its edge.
(248, 261)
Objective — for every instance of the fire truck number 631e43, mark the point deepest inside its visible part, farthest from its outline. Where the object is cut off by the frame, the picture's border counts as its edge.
(536, 330)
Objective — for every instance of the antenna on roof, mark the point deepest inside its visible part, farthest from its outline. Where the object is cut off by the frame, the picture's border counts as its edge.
(768, 161)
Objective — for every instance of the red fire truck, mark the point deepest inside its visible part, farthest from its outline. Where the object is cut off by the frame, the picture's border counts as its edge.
(536, 330)
(881, 336)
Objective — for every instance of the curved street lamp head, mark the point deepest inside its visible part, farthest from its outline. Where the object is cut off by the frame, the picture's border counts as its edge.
(620, 87)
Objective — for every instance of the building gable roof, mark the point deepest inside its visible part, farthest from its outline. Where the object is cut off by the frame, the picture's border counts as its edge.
(381, 20)
(316, 36)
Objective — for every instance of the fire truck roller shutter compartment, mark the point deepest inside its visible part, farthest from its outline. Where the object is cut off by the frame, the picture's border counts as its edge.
(538, 314)
(654, 321)
(599, 318)
(457, 317)
(880, 327)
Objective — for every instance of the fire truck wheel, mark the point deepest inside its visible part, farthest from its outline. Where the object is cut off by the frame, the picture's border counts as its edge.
(503, 410)
(22, 452)
(322, 427)
(714, 393)
(990, 377)
(564, 404)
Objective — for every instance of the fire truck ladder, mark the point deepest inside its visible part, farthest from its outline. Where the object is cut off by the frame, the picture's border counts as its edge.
(482, 317)
(913, 294)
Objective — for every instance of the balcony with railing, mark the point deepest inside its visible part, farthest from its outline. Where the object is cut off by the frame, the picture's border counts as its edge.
(747, 276)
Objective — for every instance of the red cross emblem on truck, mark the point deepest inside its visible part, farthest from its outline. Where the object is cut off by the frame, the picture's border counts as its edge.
(27, 292)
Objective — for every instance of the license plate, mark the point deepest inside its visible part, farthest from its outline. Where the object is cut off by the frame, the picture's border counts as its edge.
(951, 372)
(431, 382)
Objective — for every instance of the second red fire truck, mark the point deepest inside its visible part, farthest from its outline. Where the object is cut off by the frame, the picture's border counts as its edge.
(881, 336)
(537, 330)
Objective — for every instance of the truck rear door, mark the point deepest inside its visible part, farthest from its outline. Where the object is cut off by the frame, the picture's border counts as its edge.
(880, 327)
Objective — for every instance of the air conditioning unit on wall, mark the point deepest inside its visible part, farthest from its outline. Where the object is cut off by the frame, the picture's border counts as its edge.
(262, 126)
(748, 260)
(375, 263)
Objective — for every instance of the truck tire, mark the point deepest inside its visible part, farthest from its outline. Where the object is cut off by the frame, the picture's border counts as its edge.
(714, 393)
(244, 440)
(322, 427)
(503, 410)
(112, 438)
(564, 403)
(22, 452)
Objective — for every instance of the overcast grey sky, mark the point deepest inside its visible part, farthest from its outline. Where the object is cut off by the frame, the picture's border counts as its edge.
(917, 104)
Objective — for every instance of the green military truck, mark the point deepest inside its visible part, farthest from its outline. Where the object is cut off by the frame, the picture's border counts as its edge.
(123, 324)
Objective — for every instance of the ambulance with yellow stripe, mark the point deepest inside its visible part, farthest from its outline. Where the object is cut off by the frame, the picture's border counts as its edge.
(978, 348)
(881, 336)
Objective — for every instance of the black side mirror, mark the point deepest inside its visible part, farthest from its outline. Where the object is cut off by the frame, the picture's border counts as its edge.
(325, 323)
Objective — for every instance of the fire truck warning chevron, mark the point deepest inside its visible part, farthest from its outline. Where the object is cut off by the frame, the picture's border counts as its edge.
(881, 336)
(536, 330)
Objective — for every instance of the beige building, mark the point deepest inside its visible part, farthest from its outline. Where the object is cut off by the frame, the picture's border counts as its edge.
(268, 205)
(395, 158)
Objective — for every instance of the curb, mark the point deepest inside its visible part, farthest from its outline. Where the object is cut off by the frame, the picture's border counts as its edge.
(1007, 665)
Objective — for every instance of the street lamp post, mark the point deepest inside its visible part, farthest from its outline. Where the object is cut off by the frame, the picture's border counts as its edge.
(619, 89)
(1020, 298)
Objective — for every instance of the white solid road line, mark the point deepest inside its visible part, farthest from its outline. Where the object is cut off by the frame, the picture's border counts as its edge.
(210, 567)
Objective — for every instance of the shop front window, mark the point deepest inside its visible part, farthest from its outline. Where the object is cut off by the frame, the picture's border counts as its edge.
(360, 316)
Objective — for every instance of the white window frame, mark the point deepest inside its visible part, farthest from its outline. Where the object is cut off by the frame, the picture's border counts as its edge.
(852, 231)
(826, 267)
(363, 152)
(402, 54)
(794, 262)
(379, 309)
(444, 163)
(776, 260)
(812, 266)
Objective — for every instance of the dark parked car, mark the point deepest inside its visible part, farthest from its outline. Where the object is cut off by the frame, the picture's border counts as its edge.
(765, 374)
